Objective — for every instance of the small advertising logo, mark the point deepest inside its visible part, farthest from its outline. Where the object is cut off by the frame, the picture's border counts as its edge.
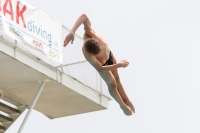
(38, 44)
(53, 54)
(15, 31)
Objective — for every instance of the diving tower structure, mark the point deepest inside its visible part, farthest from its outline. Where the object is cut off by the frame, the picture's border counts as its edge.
(30, 80)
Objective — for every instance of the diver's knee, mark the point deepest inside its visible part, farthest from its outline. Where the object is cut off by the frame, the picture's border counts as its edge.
(117, 78)
(112, 86)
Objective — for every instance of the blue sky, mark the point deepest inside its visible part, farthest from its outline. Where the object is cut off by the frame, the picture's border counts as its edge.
(161, 40)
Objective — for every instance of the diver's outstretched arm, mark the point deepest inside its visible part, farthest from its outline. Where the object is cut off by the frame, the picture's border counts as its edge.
(83, 19)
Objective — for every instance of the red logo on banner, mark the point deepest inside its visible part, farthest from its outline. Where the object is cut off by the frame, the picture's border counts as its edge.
(38, 44)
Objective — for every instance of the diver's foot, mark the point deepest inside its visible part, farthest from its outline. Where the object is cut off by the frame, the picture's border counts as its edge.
(130, 105)
(126, 110)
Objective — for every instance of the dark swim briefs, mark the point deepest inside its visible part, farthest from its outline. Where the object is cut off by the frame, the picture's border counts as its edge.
(110, 60)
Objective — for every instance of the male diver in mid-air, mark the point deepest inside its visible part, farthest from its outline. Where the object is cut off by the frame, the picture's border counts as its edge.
(97, 53)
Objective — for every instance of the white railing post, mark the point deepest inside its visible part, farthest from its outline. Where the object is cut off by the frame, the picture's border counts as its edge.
(101, 88)
(97, 88)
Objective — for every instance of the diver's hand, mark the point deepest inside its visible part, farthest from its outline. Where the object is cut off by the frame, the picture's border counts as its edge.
(69, 37)
(124, 63)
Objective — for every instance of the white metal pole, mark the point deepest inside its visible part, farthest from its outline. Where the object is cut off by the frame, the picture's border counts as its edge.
(101, 89)
(97, 81)
(61, 76)
(32, 106)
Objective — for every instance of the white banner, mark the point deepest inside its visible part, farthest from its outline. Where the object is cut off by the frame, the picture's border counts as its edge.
(23, 22)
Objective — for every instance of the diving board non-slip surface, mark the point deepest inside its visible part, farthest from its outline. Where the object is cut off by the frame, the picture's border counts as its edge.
(20, 76)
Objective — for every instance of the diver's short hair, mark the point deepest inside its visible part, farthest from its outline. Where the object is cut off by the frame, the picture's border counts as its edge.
(92, 46)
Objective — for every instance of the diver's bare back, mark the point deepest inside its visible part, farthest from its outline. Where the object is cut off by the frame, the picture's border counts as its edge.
(103, 56)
